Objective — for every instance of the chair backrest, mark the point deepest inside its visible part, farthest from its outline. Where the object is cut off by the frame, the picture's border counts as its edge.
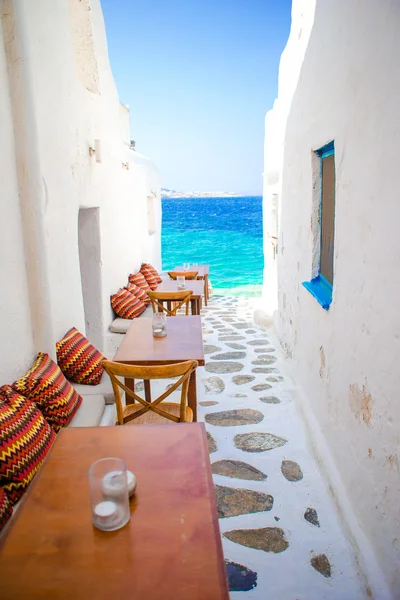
(174, 301)
(182, 370)
(185, 274)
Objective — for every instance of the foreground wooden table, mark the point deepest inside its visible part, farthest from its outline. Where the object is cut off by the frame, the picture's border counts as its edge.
(171, 548)
(196, 287)
(184, 341)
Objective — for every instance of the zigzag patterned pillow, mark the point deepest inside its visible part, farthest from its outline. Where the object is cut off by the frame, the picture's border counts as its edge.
(78, 359)
(126, 305)
(149, 276)
(5, 508)
(25, 439)
(46, 385)
(138, 292)
(139, 280)
(154, 271)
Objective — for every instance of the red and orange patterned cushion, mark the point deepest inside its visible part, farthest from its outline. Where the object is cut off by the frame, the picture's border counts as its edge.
(78, 359)
(138, 292)
(150, 268)
(5, 508)
(46, 385)
(127, 305)
(150, 275)
(139, 280)
(25, 439)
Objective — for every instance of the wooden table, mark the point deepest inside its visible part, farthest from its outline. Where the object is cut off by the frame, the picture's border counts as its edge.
(171, 548)
(184, 341)
(203, 273)
(196, 287)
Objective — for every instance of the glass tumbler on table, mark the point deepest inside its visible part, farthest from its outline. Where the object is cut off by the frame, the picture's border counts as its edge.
(109, 494)
(186, 266)
(181, 282)
(159, 324)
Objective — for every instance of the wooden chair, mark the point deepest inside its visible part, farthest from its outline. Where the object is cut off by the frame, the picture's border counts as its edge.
(156, 411)
(186, 274)
(174, 300)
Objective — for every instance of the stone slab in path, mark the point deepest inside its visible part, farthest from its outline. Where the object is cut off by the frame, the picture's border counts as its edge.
(242, 379)
(311, 516)
(208, 403)
(212, 444)
(237, 416)
(321, 564)
(270, 400)
(268, 359)
(232, 502)
(261, 387)
(230, 338)
(263, 342)
(210, 349)
(213, 385)
(240, 578)
(291, 470)
(268, 539)
(236, 346)
(258, 442)
(222, 366)
(237, 469)
(264, 370)
(229, 355)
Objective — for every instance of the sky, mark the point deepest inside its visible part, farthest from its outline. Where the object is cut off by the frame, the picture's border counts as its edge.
(199, 76)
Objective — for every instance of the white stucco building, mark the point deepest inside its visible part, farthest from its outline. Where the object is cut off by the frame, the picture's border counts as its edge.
(74, 223)
(339, 90)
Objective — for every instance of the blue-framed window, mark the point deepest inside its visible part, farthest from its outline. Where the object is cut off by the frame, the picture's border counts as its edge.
(321, 285)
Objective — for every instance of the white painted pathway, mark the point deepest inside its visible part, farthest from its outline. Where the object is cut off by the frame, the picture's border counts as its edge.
(287, 575)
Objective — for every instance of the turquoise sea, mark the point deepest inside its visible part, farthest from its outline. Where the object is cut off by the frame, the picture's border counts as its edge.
(225, 233)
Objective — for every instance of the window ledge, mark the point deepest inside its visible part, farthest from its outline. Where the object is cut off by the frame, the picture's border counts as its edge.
(321, 289)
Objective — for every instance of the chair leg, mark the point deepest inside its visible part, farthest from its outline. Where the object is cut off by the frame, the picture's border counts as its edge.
(147, 390)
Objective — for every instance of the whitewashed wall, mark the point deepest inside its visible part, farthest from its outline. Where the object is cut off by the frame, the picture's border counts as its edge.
(56, 76)
(346, 360)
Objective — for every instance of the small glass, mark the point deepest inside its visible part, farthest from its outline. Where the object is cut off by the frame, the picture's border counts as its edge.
(109, 494)
(186, 266)
(159, 324)
(181, 282)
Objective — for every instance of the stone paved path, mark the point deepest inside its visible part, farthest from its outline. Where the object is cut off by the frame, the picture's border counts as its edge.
(281, 534)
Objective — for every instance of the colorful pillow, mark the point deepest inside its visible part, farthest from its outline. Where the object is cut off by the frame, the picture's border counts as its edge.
(45, 384)
(126, 305)
(138, 292)
(25, 439)
(139, 280)
(146, 268)
(5, 508)
(78, 359)
(150, 278)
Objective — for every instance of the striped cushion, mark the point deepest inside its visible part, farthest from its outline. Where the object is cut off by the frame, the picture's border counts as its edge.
(139, 280)
(45, 384)
(5, 508)
(138, 292)
(152, 270)
(126, 305)
(25, 439)
(149, 276)
(78, 359)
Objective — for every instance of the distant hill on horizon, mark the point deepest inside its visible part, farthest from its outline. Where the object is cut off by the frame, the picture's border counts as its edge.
(165, 193)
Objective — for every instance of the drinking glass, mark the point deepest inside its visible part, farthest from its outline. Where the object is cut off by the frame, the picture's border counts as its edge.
(186, 266)
(108, 485)
(159, 324)
(181, 282)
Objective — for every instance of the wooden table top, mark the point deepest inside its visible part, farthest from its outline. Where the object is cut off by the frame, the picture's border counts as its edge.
(184, 341)
(202, 269)
(170, 549)
(169, 285)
